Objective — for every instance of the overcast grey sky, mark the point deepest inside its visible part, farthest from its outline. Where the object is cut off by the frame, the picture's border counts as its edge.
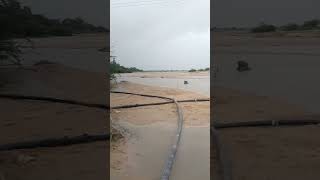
(161, 34)
(93, 11)
(244, 13)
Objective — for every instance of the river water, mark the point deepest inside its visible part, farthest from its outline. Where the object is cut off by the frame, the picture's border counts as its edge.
(198, 84)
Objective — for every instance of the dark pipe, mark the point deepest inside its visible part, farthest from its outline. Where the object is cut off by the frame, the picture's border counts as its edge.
(55, 142)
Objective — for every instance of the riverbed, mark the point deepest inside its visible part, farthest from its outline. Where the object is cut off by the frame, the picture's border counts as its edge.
(152, 130)
(284, 67)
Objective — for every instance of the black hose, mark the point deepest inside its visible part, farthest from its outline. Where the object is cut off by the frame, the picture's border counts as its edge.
(159, 103)
(54, 100)
(221, 149)
(145, 95)
(173, 151)
(172, 155)
(55, 142)
(263, 123)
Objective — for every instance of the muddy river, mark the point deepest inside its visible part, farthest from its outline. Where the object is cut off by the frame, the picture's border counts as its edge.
(198, 84)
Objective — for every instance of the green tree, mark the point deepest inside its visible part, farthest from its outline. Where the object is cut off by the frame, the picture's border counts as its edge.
(312, 24)
(264, 28)
(290, 27)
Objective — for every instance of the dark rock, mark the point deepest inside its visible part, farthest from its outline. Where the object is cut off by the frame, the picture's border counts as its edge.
(243, 66)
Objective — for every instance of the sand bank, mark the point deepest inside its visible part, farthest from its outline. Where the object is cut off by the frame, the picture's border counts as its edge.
(154, 126)
(25, 120)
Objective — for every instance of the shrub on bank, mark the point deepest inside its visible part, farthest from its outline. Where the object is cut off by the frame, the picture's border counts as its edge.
(264, 28)
(312, 24)
(290, 27)
(116, 68)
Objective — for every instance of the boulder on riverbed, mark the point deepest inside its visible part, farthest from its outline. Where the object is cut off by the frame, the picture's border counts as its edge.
(243, 66)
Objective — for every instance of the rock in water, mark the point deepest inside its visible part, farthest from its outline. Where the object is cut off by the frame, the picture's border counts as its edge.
(243, 66)
(24, 159)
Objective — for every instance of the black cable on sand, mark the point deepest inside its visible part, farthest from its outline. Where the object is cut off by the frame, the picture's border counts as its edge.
(55, 142)
(174, 148)
(145, 95)
(159, 103)
(224, 160)
(172, 155)
(266, 123)
(53, 100)
(93, 105)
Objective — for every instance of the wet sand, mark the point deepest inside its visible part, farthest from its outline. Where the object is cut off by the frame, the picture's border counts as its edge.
(273, 153)
(282, 66)
(33, 123)
(279, 86)
(25, 120)
(79, 51)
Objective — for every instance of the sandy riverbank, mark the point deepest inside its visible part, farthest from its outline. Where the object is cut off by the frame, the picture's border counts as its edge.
(155, 118)
(78, 72)
(25, 120)
(229, 106)
(279, 86)
(271, 152)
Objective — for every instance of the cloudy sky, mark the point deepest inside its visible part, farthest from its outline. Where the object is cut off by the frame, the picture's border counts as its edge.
(93, 11)
(246, 13)
(161, 34)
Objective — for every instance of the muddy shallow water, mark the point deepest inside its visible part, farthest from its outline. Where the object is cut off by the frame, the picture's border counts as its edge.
(198, 84)
(147, 149)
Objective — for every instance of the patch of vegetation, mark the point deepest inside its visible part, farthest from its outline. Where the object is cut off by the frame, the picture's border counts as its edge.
(194, 70)
(264, 28)
(206, 69)
(116, 68)
(312, 24)
(290, 27)
(18, 21)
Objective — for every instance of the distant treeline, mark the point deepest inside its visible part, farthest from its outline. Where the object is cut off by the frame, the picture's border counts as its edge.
(194, 70)
(18, 21)
(307, 25)
(116, 68)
